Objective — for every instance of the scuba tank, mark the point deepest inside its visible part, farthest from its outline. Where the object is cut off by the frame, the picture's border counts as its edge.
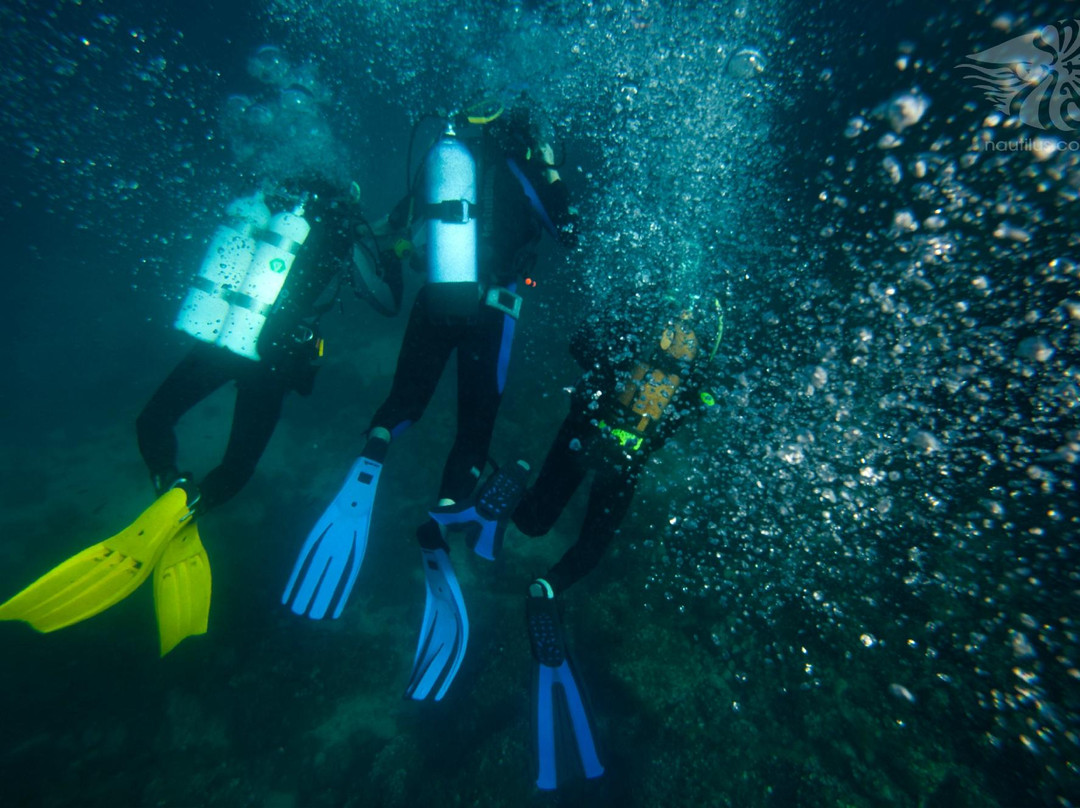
(250, 305)
(450, 207)
(227, 260)
(653, 382)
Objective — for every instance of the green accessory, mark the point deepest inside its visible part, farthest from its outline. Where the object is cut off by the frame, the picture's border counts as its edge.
(403, 248)
(719, 330)
(707, 398)
(624, 437)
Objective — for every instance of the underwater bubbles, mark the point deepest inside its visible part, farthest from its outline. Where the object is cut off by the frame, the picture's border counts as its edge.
(745, 63)
(259, 115)
(268, 65)
(237, 104)
(297, 98)
(906, 109)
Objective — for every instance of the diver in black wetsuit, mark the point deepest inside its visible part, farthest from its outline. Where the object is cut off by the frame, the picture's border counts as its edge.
(520, 196)
(638, 388)
(484, 204)
(288, 347)
(644, 376)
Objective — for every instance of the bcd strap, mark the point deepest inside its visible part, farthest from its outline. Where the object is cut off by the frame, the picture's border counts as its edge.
(453, 211)
(247, 302)
(231, 296)
(279, 241)
(208, 286)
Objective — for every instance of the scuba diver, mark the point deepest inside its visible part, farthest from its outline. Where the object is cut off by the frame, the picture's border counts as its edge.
(482, 200)
(638, 388)
(253, 309)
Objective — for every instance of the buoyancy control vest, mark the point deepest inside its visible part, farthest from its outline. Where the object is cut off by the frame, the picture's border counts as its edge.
(450, 202)
(242, 275)
(653, 383)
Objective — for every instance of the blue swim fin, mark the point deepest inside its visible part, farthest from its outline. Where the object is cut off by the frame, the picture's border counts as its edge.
(563, 727)
(330, 559)
(486, 514)
(445, 630)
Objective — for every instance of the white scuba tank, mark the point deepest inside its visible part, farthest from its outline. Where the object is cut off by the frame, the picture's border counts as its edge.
(223, 269)
(274, 255)
(450, 198)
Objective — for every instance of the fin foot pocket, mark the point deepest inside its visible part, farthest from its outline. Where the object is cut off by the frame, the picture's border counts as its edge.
(485, 515)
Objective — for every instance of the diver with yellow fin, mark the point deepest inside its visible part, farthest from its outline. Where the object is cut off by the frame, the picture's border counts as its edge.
(273, 266)
(253, 311)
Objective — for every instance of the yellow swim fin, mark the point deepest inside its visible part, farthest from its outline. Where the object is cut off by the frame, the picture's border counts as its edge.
(102, 575)
(182, 588)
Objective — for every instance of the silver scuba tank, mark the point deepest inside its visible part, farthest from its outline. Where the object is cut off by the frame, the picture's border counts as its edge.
(450, 191)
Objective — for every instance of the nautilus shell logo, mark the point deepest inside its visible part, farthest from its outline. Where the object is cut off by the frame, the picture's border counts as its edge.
(1035, 77)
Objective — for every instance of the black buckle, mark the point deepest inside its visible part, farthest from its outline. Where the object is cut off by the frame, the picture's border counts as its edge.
(452, 211)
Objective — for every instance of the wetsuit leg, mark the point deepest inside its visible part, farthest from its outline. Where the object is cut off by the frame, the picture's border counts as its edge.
(259, 397)
(559, 477)
(200, 373)
(609, 499)
(483, 359)
(425, 350)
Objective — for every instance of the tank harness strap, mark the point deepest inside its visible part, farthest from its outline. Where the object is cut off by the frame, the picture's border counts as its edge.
(279, 241)
(204, 284)
(453, 211)
(247, 302)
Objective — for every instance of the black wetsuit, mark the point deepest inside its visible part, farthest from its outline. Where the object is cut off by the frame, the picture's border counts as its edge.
(603, 434)
(509, 228)
(288, 345)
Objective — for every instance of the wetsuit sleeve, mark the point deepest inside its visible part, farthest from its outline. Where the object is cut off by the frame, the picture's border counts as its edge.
(401, 217)
(394, 241)
(339, 240)
(555, 198)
